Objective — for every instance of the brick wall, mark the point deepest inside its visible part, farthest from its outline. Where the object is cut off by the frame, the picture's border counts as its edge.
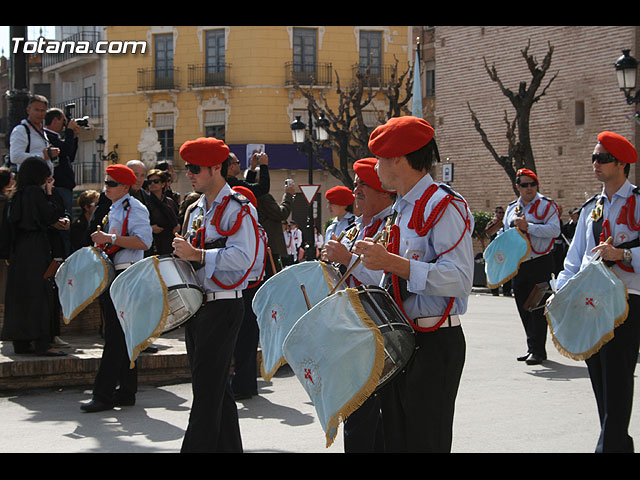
(583, 59)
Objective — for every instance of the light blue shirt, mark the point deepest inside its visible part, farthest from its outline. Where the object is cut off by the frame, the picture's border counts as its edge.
(542, 232)
(338, 225)
(579, 254)
(360, 272)
(434, 279)
(137, 226)
(230, 263)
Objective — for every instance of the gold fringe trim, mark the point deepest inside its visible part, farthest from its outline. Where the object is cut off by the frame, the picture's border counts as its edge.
(605, 338)
(326, 268)
(268, 375)
(492, 286)
(161, 323)
(374, 378)
(96, 294)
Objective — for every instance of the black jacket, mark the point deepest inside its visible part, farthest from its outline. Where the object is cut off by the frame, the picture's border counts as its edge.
(63, 173)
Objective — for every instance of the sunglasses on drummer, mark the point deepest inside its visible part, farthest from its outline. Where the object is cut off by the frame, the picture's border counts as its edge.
(528, 184)
(195, 169)
(602, 158)
(111, 183)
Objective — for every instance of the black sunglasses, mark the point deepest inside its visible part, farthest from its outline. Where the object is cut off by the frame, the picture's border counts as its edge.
(528, 184)
(195, 169)
(111, 183)
(155, 180)
(602, 158)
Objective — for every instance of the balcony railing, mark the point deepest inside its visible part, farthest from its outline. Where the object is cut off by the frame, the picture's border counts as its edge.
(90, 172)
(49, 59)
(308, 73)
(209, 75)
(89, 106)
(158, 78)
(374, 75)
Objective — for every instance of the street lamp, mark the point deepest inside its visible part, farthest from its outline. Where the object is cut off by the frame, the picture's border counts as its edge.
(626, 71)
(303, 142)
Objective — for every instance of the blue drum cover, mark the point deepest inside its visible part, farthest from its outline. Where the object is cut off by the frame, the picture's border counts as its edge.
(503, 256)
(337, 353)
(81, 278)
(279, 303)
(584, 312)
(140, 298)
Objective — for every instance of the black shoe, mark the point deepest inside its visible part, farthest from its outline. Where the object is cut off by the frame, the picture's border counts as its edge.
(534, 359)
(54, 353)
(523, 357)
(95, 406)
(151, 349)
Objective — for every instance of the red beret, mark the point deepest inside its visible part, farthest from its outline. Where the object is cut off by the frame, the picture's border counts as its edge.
(247, 193)
(528, 173)
(365, 168)
(340, 195)
(122, 174)
(204, 151)
(400, 136)
(618, 146)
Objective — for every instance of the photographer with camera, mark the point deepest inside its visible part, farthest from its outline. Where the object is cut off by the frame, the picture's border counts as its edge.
(62, 133)
(28, 138)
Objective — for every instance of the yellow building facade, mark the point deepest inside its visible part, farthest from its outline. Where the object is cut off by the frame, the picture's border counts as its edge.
(236, 83)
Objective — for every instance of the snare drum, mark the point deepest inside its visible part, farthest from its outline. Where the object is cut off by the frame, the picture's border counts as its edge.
(398, 335)
(153, 296)
(347, 347)
(184, 293)
(82, 278)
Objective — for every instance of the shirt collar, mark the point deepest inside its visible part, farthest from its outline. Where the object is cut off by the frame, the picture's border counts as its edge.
(413, 195)
(120, 201)
(624, 191)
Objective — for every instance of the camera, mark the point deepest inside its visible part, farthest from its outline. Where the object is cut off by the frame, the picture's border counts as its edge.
(288, 182)
(81, 122)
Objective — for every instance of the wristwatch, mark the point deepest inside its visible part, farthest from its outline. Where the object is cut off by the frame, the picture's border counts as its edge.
(626, 254)
(113, 238)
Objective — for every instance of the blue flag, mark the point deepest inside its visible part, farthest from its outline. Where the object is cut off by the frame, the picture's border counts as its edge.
(417, 89)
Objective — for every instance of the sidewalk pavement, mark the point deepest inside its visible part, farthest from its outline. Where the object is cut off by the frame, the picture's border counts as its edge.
(503, 406)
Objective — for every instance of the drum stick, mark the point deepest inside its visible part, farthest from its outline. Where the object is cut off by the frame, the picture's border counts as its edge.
(355, 264)
(273, 264)
(306, 299)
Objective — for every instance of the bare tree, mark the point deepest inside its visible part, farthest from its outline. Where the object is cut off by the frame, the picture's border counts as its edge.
(348, 132)
(519, 153)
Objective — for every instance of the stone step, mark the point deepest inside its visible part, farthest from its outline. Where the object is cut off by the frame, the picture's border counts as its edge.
(81, 363)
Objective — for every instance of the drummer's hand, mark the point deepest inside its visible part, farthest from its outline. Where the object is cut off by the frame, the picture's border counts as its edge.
(337, 251)
(608, 252)
(372, 255)
(521, 223)
(183, 249)
(100, 237)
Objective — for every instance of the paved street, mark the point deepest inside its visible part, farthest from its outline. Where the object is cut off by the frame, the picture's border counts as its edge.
(503, 406)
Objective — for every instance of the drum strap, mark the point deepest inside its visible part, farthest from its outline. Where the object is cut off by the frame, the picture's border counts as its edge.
(534, 211)
(602, 228)
(422, 228)
(215, 221)
(110, 250)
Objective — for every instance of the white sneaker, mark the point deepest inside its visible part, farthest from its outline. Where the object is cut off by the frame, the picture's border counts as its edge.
(58, 342)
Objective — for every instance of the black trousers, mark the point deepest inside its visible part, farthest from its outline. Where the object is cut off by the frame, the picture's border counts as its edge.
(115, 364)
(611, 371)
(245, 371)
(210, 338)
(363, 429)
(531, 273)
(418, 405)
